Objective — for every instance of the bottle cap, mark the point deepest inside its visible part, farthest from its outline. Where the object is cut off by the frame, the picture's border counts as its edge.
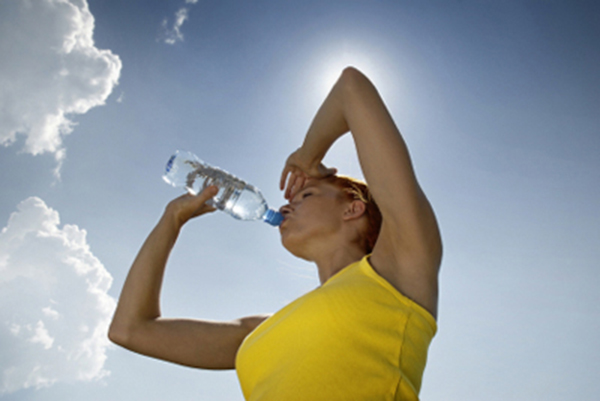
(273, 217)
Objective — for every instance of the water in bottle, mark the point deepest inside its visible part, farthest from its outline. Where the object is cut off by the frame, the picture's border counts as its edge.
(235, 197)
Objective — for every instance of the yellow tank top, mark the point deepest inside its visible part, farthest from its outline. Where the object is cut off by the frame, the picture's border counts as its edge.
(354, 338)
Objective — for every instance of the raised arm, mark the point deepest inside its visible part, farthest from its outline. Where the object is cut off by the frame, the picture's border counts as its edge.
(408, 251)
(137, 323)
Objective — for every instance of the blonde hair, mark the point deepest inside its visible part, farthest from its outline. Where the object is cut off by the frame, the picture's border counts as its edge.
(358, 190)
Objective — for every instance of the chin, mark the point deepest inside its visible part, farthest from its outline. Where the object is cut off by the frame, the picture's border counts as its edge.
(293, 246)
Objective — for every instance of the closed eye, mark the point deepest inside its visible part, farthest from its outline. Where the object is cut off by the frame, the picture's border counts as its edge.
(306, 194)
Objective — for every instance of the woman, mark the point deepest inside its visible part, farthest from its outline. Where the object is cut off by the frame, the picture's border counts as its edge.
(364, 333)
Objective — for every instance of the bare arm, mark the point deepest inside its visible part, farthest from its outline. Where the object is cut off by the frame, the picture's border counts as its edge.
(408, 251)
(138, 325)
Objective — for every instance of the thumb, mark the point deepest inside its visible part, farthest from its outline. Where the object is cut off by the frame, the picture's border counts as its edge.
(326, 172)
(199, 206)
(207, 193)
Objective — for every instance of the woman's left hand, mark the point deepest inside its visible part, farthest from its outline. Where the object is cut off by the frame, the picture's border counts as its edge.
(298, 169)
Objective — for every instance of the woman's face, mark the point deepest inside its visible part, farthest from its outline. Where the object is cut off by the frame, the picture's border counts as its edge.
(313, 214)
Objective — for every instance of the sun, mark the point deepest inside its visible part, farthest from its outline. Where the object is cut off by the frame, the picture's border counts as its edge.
(332, 59)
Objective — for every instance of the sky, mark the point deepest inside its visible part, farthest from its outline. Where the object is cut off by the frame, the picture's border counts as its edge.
(497, 100)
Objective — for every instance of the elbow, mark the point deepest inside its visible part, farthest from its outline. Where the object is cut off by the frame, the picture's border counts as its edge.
(119, 334)
(352, 77)
(354, 83)
(352, 72)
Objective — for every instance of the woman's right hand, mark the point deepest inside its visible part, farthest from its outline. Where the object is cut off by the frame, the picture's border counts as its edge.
(188, 206)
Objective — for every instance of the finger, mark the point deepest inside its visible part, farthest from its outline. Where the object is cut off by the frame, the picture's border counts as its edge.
(199, 201)
(331, 171)
(300, 182)
(290, 183)
(297, 185)
(325, 171)
(283, 179)
(207, 193)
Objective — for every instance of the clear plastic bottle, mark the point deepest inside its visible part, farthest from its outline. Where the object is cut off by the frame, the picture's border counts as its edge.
(235, 197)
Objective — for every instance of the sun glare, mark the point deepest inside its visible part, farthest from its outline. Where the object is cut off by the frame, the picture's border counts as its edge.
(330, 63)
(326, 66)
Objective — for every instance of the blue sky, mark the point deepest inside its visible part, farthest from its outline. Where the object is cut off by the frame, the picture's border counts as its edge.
(498, 102)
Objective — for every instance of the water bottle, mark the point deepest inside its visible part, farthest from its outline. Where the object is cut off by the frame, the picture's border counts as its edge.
(235, 197)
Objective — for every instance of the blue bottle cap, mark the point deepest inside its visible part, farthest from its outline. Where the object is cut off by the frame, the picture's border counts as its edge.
(273, 217)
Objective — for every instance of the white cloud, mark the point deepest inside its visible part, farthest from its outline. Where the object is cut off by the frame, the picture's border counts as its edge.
(49, 69)
(54, 306)
(173, 35)
(41, 335)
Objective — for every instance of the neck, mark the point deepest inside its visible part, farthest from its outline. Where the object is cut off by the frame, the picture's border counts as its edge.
(328, 264)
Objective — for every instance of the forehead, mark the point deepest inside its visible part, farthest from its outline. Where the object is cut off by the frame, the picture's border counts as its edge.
(320, 183)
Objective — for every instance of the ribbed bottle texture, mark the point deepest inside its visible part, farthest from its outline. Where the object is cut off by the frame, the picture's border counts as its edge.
(235, 197)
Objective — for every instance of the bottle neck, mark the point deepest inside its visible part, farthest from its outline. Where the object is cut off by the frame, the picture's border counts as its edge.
(272, 217)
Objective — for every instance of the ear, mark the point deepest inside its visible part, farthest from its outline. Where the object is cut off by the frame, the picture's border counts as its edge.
(354, 210)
